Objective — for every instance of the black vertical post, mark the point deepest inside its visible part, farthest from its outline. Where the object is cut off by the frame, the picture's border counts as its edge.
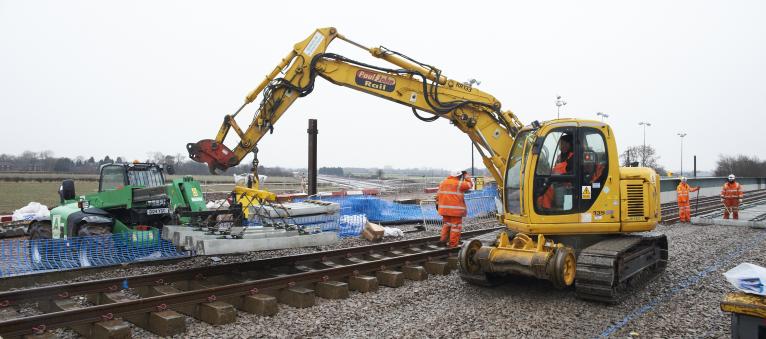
(313, 131)
(695, 166)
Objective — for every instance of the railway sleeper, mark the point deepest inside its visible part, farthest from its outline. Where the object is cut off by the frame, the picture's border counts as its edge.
(109, 327)
(213, 312)
(8, 313)
(163, 322)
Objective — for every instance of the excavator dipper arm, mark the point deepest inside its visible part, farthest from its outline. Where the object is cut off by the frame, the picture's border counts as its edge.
(419, 86)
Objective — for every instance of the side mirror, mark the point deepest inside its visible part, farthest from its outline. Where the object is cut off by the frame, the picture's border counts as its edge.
(169, 169)
(66, 190)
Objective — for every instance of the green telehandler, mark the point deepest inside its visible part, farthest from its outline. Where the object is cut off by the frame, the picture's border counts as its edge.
(132, 198)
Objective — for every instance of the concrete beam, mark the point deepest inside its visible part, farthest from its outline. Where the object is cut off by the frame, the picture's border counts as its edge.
(228, 246)
(728, 222)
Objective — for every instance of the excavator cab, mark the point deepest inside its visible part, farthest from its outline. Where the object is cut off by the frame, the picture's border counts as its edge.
(568, 206)
(570, 167)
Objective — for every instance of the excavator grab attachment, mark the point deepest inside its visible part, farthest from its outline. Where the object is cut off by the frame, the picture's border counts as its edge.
(216, 155)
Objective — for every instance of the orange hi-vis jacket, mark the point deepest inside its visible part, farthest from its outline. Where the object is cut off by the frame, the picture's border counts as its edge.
(683, 190)
(450, 196)
(546, 200)
(732, 191)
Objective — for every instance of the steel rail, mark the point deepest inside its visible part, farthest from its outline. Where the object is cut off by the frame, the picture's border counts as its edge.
(26, 325)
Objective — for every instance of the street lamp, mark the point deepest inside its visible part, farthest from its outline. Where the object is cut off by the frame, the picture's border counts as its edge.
(643, 151)
(682, 135)
(559, 102)
(602, 115)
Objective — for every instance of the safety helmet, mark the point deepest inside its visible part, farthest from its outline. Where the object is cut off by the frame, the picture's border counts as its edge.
(732, 177)
(683, 179)
(456, 173)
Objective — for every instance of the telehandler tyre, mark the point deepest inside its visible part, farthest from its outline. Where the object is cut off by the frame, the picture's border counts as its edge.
(41, 246)
(95, 244)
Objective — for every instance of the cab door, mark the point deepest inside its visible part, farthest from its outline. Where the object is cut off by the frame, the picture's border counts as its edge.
(555, 198)
(570, 173)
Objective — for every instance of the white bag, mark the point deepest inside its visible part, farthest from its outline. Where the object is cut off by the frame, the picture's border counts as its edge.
(216, 204)
(32, 211)
(242, 179)
(392, 232)
(748, 278)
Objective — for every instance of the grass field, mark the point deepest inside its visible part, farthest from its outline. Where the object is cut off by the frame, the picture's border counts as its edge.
(19, 189)
(14, 195)
(58, 177)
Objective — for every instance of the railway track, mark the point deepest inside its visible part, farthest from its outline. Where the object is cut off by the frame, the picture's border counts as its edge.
(160, 302)
(708, 205)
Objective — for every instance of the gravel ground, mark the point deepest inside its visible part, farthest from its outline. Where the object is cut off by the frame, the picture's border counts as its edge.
(683, 302)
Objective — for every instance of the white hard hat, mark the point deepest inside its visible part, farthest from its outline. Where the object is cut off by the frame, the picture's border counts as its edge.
(456, 173)
(732, 177)
(683, 179)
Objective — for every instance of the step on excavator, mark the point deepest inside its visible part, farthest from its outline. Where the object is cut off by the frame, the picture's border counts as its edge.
(574, 217)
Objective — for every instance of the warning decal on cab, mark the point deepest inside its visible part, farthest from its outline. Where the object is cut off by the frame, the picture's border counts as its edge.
(586, 192)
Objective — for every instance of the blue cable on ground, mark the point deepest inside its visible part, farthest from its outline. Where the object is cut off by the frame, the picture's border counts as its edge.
(688, 282)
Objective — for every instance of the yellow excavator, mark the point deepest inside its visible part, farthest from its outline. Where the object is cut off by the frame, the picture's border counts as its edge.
(573, 215)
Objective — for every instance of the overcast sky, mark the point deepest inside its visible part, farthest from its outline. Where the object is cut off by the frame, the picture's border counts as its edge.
(132, 77)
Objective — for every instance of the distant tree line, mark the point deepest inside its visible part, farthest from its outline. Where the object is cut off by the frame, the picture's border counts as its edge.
(645, 156)
(44, 161)
(331, 171)
(740, 165)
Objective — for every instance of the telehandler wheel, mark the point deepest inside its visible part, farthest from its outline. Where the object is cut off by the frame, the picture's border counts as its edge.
(96, 244)
(40, 230)
(564, 268)
(39, 233)
(88, 230)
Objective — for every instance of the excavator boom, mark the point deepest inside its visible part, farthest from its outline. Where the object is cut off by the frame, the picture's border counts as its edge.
(420, 86)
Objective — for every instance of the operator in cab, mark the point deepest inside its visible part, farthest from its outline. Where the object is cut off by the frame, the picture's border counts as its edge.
(563, 165)
(450, 203)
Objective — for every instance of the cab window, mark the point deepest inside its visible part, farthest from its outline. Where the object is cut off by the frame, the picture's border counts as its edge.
(147, 177)
(514, 177)
(595, 165)
(112, 178)
(555, 177)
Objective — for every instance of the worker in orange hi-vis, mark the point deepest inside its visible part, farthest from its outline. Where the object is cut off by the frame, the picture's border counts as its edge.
(731, 197)
(451, 205)
(683, 189)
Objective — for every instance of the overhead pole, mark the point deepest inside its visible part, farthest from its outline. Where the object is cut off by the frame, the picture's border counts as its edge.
(643, 151)
(682, 135)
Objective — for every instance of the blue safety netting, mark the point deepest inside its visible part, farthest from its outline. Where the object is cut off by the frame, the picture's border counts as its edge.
(356, 210)
(21, 256)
